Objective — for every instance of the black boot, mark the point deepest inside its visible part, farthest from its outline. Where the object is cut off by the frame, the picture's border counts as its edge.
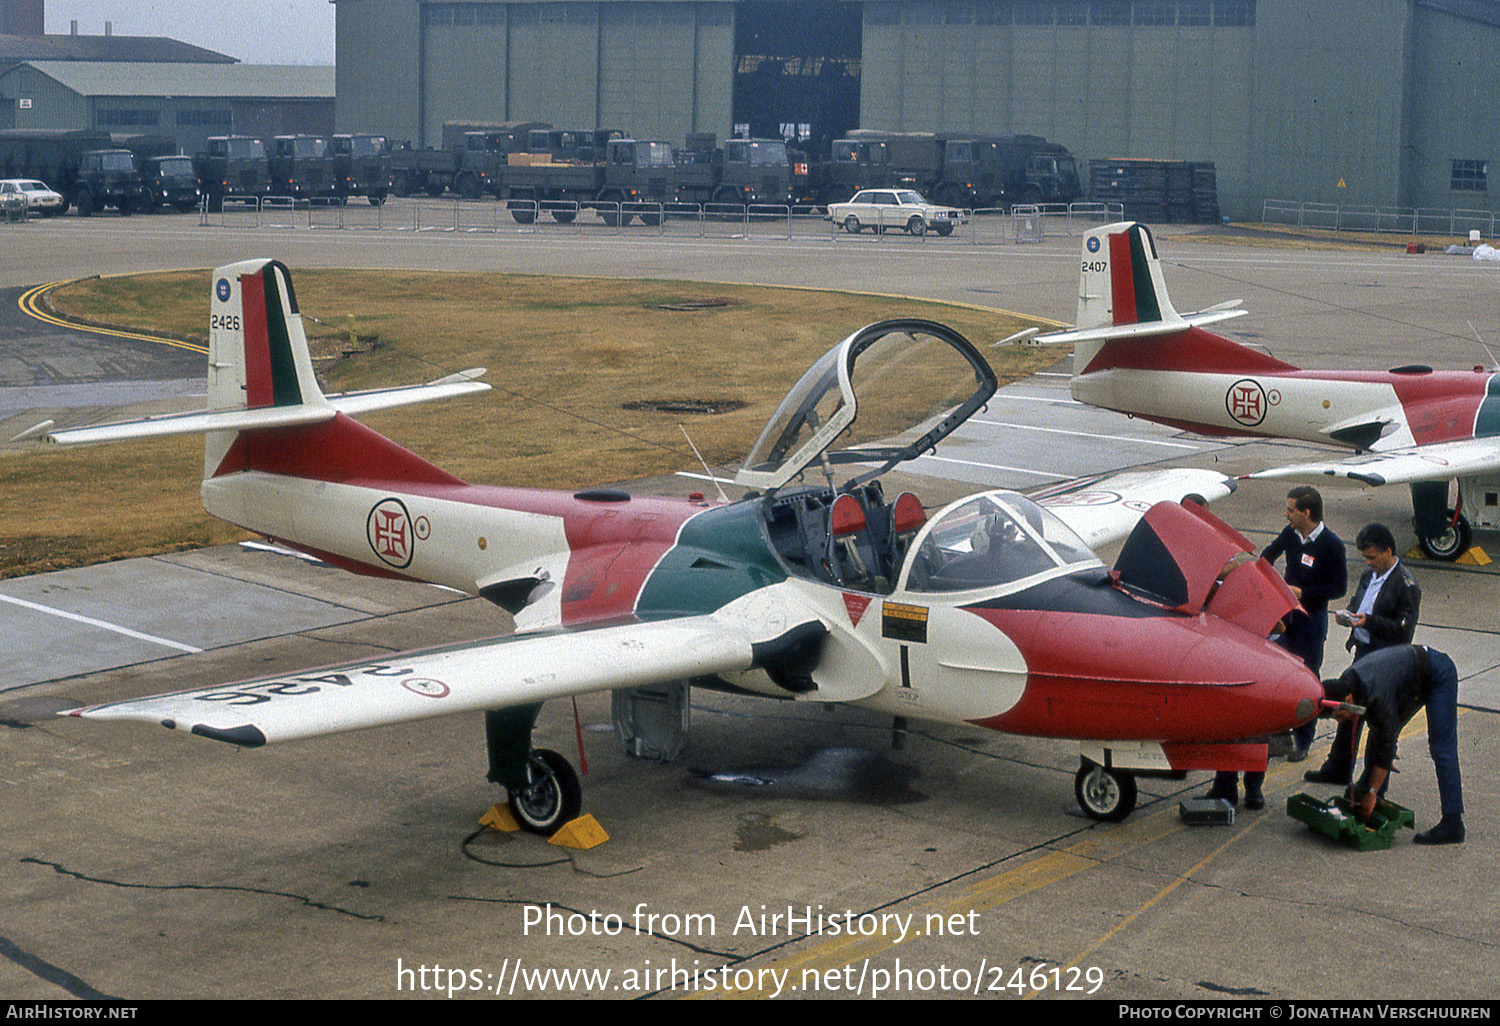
(1449, 830)
(1330, 773)
(1226, 788)
(1254, 800)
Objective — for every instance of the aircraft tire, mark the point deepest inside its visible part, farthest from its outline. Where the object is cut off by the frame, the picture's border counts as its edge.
(554, 797)
(1451, 542)
(1104, 794)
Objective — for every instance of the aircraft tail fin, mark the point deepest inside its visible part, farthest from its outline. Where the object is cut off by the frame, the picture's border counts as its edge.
(261, 383)
(1120, 280)
(1126, 319)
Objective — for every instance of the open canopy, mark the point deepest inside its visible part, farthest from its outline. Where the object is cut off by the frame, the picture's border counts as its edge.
(885, 394)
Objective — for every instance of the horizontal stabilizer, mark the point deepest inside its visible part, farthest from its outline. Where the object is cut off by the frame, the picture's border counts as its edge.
(1440, 462)
(463, 383)
(260, 417)
(1146, 329)
(190, 423)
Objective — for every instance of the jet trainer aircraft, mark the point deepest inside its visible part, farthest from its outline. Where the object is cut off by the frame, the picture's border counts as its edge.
(1133, 352)
(992, 611)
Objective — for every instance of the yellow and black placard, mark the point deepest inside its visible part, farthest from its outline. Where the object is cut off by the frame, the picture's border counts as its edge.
(903, 622)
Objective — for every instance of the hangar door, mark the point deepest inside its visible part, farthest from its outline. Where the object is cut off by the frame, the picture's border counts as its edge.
(797, 70)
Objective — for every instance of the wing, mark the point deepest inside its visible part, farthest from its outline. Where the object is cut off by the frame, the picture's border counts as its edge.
(487, 674)
(1105, 509)
(1438, 462)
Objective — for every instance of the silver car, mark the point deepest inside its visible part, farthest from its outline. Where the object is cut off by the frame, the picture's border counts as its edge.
(882, 209)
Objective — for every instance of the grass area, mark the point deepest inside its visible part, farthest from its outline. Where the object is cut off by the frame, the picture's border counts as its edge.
(565, 357)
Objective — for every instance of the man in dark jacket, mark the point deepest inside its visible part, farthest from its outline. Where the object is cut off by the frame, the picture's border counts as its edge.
(1383, 612)
(1316, 573)
(1392, 683)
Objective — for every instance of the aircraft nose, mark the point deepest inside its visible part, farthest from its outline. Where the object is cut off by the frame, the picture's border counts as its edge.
(1291, 689)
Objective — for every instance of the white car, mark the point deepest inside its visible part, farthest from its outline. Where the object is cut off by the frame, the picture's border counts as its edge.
(882, 209)
(39, 199)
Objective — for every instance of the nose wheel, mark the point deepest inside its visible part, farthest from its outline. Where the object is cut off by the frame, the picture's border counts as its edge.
(1104, 794)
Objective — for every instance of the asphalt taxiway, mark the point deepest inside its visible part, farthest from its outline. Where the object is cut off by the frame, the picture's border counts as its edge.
(141, 863)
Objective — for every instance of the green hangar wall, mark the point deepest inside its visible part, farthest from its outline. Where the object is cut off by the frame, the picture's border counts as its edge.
(1382, 103)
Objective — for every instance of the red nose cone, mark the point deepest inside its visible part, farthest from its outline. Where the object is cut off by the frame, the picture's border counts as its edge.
(1187, 679)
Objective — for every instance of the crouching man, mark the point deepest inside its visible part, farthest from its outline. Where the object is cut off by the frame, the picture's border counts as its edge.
(1392, 684)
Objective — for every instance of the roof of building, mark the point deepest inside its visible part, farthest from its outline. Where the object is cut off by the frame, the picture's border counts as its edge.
(115, 78)
(155, 49)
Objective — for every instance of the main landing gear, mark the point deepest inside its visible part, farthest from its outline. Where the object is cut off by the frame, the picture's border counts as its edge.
(1103, 793)
(1442, 530)
(544, 792)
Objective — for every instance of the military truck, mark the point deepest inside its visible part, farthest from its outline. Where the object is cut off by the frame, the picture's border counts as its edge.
(361, 166)
(232, 167)
(170, 181)
(300, 166)
(472, 154)
(952, 169)
(743, 172)
(83, 166)
(633, 171)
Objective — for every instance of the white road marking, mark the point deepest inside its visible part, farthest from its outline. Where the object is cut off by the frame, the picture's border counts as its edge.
(99, 623)
(1086, 434)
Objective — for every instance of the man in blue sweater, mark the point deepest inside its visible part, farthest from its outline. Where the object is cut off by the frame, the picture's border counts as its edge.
(1316, 573)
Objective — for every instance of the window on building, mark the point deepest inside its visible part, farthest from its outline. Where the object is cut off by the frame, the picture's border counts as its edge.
(129, 118)
(1035, 12)
(214, 118)
(1194, 12)
(1469, 175)
(1155, 12)
(1234, 12)
(1110, 12)
(1072, 12)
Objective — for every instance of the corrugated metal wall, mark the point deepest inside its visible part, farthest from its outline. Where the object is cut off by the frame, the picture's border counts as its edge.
(1349, 101)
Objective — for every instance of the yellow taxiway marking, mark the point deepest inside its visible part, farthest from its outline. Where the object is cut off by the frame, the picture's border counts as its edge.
(29, 304)
(1415, 726)
(1097, 849)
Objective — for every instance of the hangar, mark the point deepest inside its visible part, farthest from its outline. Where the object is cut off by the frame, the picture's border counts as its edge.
(1360, 102)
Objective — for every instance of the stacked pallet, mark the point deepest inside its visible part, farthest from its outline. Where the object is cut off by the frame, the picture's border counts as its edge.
(1159, 191)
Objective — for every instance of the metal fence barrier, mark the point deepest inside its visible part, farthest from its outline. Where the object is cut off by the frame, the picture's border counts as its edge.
(1364, 218)
(985, 226)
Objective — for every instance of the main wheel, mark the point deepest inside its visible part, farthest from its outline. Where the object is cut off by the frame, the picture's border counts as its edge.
(1104, 794)
(1452, 541)
(552, 797)
(851, 225)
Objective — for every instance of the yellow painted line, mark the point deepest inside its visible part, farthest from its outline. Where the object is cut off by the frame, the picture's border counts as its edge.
(29, 305)
(1051, 868)
(1415, 726)
(1054, 867)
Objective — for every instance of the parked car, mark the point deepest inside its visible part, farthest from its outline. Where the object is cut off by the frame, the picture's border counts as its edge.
(38, 198)
(882, 209)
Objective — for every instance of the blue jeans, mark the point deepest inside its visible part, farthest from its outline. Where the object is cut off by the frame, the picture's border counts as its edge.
(1442, 732)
